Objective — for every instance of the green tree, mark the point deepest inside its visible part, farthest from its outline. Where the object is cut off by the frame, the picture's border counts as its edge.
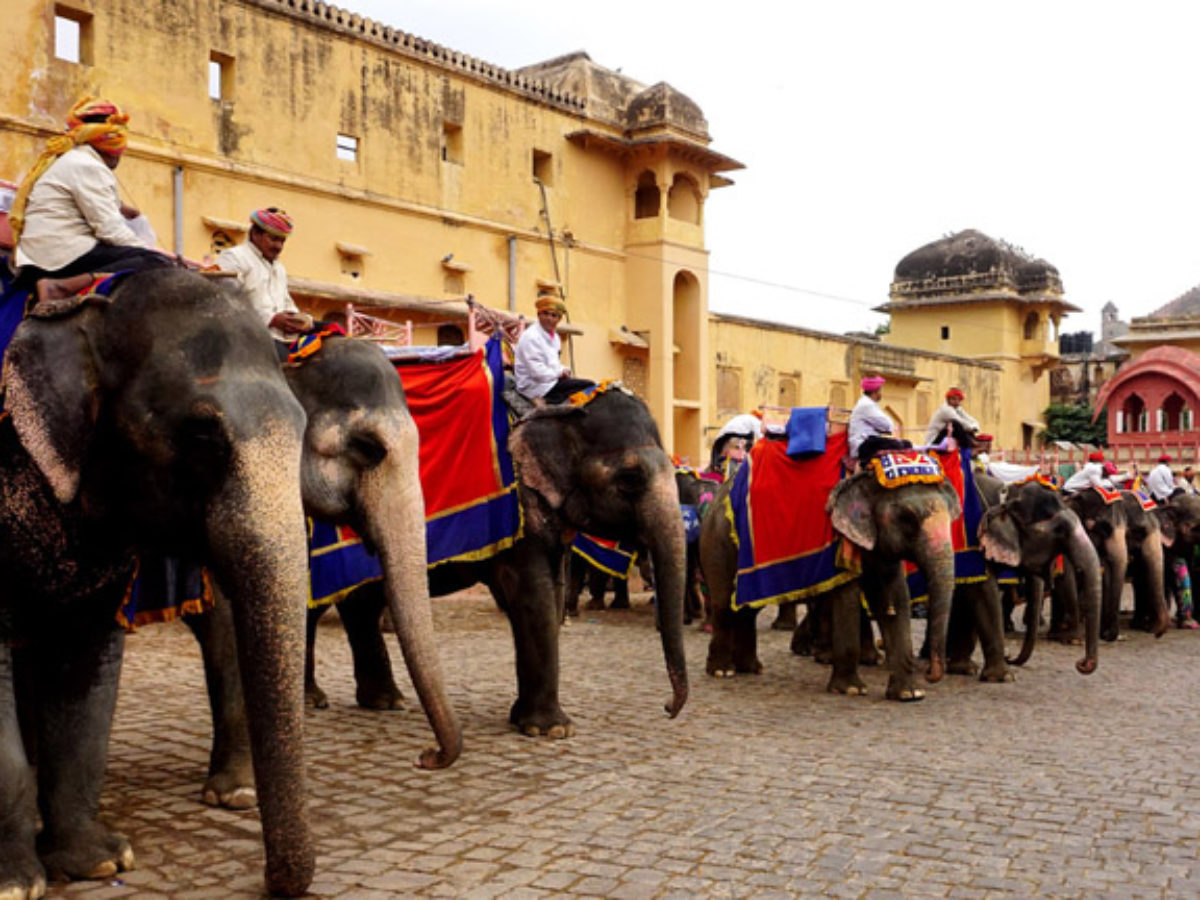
(1073, 422)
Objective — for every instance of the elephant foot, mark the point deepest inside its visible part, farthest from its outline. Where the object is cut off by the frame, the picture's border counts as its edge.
(314, 697)
(554, 725)
(786, 620)
(962, 667)
(1066, 636)
(92, 854)
(997, 675)
(231, 790)
(379, 696)
(21, 875)
(802, 644)
(594, 604)
(904, 693)
(1162, 626)
(1109, 634)
(618, 603)
(851, 686)
(823, 656)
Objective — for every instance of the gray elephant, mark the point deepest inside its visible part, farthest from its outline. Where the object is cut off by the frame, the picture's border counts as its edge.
(1179, 522)
(888, 525)
(153, 421)
(359, 468)
(1026, 527)
(1129, 541)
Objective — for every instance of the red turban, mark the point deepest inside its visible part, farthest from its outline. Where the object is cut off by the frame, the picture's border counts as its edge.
(273, 221)
(1165, 458)
(954, 392)
(1095, 456)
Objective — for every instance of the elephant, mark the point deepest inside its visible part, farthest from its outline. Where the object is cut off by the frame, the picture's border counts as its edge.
(1179, 521)
(359, 468)
(1124, 533)
(599, 468)
(888, 526)
(1026, 526)
(152, 421)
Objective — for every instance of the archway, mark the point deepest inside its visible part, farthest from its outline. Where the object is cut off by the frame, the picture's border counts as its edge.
(1133, 413)
(648, 199)
(683, 200)
(1175, 413)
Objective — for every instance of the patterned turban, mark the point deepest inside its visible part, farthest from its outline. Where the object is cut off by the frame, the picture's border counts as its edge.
(105, 131)
(272, 220)
(548, 300)
(873, 383)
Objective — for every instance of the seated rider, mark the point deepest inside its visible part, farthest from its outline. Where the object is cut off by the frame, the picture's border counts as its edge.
(746, 426)
(264, 279)
(67, 217)
(951, 420)
(1091, 474)
(540, 374)
(871, 429)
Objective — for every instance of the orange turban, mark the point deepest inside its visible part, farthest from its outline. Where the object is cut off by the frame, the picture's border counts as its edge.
(106, 132)
(547, 300)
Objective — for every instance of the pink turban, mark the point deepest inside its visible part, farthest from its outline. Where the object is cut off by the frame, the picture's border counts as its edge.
(272, 221)
(873, 383)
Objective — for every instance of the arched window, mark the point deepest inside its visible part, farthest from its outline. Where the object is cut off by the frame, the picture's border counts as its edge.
(647, 200)
(683, 200)
(1133, 411)
(1175, 413)
(1031, 326)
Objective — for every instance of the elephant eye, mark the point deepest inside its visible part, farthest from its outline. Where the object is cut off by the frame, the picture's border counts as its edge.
(366, 451)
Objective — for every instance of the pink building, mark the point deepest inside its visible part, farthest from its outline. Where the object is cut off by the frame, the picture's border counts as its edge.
(1151, 402)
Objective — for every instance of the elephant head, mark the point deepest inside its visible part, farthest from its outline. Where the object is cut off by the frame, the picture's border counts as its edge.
(162, 416)
(910, 522)
(1028, 528)
(360, 468)
(602, 469)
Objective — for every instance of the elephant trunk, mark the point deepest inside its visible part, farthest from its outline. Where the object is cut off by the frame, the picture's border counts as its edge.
(935, 558)
(1081, 555)
(256, 532)
(1154, 575)
(663, 530)
(1033, 619)
(394, 510)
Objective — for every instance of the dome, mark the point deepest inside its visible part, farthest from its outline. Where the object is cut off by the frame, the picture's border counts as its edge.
(971, 252)
(661, 104)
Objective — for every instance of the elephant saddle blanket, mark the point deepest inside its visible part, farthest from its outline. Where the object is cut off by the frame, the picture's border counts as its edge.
(1109, 497)
(617, 558)
(969, 563)
(1147, 502)
(786, 545)
(896, 468)
(467, 476)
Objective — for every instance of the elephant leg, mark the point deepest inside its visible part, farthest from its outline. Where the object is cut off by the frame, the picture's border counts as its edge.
(989, 627)
(620, 588)
(20, 871)
(1115, 557)
(733, 646)
(693, 603)
(532, 588)
(360, 611)
(314, 696)
(822, 638)
(887, 595)
(1064, 606)
(597, 580)
(960, 633)
(868, 652)
(845, 613)
(576, 571)
(802, 637)
(786, 619)
(230, 781)
(77, 670)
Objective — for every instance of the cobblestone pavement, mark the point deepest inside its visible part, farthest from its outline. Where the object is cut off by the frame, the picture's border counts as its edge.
(1055, 786)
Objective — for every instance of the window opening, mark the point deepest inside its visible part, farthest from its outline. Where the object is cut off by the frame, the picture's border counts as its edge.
(543, 171)
(72, 35)
(347, 148)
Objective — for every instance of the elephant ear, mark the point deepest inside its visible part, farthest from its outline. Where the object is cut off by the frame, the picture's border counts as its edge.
(1166, 525)
(52, 394)
(950, 495)
(851, 509)
(999, 537)
(541, 446)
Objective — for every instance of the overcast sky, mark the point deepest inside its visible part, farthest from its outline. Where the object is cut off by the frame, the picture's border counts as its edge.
(868, 129)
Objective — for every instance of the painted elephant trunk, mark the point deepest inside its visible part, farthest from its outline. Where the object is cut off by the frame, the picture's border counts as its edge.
(256, 531)
(1081, 554)
(935, 558)
(668, 552)
(396, 520)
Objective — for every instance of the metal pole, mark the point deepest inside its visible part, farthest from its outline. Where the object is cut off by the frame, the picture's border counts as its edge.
(178, 191)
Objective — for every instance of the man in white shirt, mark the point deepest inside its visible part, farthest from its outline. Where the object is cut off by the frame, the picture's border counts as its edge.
(871, 429)
(540, 374)
(67, 217)
(1161, 482)
(263, 277)
(1091, 474)
(949, 416)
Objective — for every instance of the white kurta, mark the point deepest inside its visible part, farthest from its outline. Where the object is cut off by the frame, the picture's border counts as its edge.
(867, 419)
(72, 207)
(536, 363)
(1160, 482)
(944, 416)
(1091, 474)
(265, 283)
